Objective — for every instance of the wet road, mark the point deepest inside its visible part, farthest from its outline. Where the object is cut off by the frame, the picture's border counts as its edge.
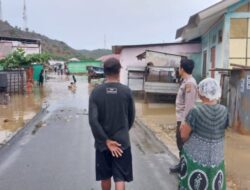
(55, 151)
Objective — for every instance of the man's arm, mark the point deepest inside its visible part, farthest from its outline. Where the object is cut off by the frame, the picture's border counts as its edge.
(131, 111)
(185, 131)
(97, 130)
(190, 98)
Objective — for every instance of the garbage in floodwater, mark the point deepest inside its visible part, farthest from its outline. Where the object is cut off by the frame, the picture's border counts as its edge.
(38, 126)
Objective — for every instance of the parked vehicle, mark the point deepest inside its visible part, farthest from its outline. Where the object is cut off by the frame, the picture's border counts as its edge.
(95, 73)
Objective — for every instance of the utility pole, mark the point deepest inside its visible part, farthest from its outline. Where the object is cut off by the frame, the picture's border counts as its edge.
(24, 16)
(1, 11)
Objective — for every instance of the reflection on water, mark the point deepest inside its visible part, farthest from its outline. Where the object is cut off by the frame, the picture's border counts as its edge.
(20, 109)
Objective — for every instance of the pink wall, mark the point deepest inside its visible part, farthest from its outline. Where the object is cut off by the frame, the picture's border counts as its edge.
(128, 55)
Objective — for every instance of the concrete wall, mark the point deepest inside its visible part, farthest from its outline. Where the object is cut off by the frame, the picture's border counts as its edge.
(7, 47)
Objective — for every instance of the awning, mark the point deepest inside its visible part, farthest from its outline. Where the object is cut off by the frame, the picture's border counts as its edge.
(201, 22)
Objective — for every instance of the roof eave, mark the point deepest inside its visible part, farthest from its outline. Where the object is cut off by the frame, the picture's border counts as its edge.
(196, 19)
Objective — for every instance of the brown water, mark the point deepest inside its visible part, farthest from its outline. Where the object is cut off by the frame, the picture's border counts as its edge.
(55, 94)
(154, 113)
(20, 109)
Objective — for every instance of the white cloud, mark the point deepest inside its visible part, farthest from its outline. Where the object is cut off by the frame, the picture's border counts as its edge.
(83, 23)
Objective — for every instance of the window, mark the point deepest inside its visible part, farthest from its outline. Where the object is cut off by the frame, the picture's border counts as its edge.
(204, 69)
(220, 36)
(239, 47)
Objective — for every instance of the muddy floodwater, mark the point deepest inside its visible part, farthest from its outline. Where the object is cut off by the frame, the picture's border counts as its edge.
(21, 109)
(55, 93)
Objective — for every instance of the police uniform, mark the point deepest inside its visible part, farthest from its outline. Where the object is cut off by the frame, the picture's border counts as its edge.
(185, 100)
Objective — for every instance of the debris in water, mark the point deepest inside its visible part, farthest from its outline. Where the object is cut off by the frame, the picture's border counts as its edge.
(37, 126)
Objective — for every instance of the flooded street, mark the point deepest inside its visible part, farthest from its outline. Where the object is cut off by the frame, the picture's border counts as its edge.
(23, 108)
(56, 151)
(68, 108)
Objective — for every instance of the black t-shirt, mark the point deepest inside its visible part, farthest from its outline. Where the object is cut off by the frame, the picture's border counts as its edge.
(111, 114)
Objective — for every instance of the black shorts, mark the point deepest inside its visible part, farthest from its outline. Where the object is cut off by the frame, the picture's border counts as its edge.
(108, 166)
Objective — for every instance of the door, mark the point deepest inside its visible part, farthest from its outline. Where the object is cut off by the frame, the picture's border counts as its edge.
(212, 59)
(204, 68)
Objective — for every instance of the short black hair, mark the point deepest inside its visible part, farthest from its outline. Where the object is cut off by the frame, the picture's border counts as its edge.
(112, 66)
(187, 65)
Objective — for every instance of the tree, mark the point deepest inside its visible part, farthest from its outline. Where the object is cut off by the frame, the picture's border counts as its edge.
(18, 59)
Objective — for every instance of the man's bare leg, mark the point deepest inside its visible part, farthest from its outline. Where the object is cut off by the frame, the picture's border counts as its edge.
(106, 184)
(120, 185)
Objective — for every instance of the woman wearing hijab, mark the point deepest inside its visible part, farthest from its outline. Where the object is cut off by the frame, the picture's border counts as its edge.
(202, 158)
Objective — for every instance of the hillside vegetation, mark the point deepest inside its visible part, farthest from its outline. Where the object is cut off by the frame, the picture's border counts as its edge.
(57, 49)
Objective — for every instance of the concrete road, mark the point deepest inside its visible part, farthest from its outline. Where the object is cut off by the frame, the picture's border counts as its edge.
(55, 152)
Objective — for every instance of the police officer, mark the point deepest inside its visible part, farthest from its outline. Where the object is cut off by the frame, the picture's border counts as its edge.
(185, 100)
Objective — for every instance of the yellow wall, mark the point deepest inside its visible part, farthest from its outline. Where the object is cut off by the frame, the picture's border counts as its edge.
(239, 44)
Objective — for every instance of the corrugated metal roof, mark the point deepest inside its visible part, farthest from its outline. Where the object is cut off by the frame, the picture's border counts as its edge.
(200, 23)
(118, 48)
(25, 40)
(143, 55)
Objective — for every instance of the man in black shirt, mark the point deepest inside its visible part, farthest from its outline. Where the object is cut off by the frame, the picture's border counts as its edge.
(111, 115)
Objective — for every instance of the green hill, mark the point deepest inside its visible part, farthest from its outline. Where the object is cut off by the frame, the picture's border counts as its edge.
(57, 49)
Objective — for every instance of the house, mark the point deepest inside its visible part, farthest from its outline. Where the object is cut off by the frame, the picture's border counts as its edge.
(9, 44)
(16, 80)
(129, 53)
(161, 73)
(224, 32)
(80, 67)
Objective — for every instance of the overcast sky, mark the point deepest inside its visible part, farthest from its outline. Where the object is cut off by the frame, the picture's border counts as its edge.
(83, 24)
